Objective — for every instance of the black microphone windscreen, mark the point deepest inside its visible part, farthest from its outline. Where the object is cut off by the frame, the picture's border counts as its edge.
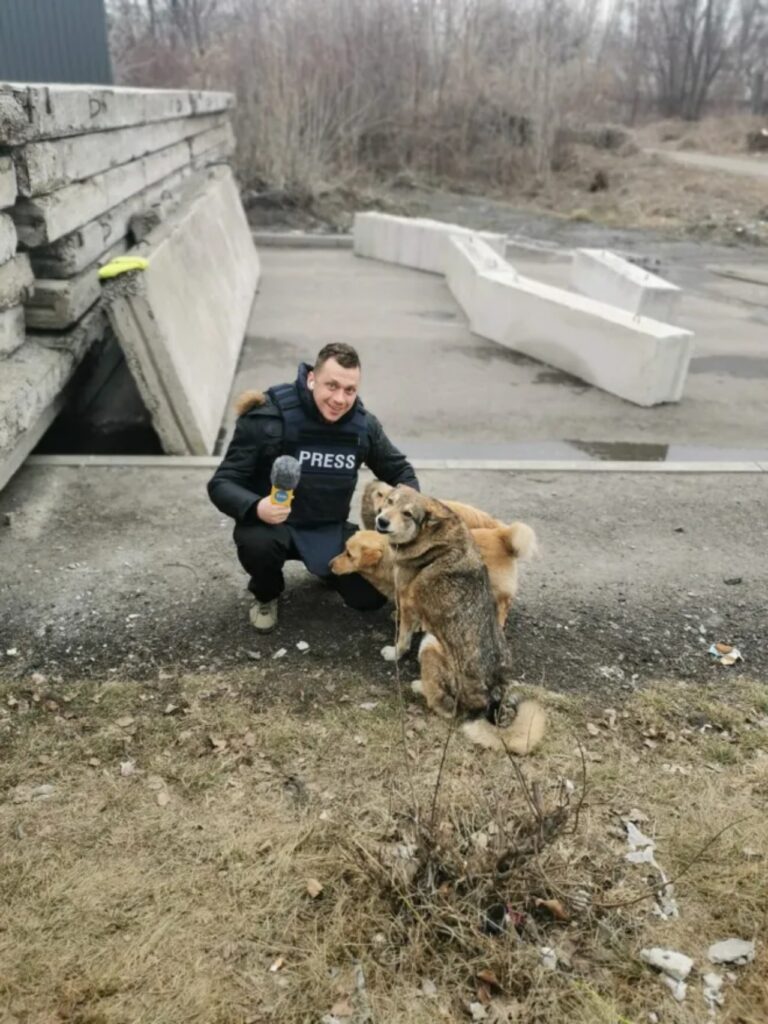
(286, 473)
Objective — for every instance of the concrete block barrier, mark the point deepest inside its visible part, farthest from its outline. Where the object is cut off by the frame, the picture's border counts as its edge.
(607, 277)
(414, 242)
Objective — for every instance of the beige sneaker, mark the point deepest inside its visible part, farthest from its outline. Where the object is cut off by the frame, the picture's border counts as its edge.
(263, 616)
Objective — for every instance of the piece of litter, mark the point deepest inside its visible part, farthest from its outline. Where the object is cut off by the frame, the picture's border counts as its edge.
(12, 652)
(277, 965)
(314, 887)
(127, 768)
(302, 645)
(732, 951)
(678, 989)
(428, 988)
(548, 958)
(592, 729)
(369, 705)
(280, 654)
(713, 990)
(253, 655)
(725, 653)
(671, 963)
(477, 1011)
(163, 798)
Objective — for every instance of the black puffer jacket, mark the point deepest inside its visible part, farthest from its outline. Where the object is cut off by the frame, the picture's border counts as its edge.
(242, 479)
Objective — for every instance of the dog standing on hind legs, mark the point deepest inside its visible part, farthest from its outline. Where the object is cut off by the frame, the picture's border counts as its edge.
(442, 585)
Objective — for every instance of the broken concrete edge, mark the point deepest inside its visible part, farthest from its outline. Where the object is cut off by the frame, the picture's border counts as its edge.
(465, 465)
(57, 303)
(177, 330)
(45, 167)
(36, 111)
(301, 240)
(8, 187)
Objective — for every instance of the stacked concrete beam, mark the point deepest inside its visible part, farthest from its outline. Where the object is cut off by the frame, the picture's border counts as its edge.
(607, 277)
(637, 358)
(414, 242)
(81, 166)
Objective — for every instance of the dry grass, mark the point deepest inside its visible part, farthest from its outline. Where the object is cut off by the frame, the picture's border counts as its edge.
(166, 894)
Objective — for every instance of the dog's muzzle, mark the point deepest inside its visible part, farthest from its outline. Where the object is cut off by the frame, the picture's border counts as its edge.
(382, 524)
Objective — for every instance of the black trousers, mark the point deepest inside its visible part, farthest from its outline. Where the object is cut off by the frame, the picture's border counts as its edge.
(263, 550)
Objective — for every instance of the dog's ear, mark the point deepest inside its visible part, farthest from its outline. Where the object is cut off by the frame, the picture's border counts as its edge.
(434, 515)
(370, 556)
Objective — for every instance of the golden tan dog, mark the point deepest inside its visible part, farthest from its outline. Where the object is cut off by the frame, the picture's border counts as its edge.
(370, 554)
(442, 584)
(375, 495)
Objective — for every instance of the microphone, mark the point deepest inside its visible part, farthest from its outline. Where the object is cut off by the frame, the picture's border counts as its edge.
(285, 476)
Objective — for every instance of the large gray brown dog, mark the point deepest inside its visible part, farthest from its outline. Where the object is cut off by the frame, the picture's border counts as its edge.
(442, 585)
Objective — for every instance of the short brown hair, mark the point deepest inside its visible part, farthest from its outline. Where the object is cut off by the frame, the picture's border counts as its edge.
(344, 355)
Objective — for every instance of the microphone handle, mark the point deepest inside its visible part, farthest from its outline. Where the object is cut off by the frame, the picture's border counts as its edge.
(280, 496)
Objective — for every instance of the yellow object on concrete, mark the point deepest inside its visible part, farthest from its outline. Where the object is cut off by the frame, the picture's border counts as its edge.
(121, 265)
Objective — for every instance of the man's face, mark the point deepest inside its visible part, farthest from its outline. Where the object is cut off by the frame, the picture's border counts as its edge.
(334, 389)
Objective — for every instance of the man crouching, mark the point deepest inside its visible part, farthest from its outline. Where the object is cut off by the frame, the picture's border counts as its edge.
(320, 421)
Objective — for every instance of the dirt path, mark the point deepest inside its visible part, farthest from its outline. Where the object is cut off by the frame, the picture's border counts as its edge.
(744, 166)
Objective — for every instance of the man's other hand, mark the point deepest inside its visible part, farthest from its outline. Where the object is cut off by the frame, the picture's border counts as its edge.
(272, 514)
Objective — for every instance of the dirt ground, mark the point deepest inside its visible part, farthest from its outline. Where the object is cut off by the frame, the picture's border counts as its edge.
(180, 852)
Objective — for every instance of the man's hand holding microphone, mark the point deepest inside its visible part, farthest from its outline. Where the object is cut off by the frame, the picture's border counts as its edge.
(285, 476)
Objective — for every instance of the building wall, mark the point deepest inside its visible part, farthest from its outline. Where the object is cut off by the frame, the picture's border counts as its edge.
(54, 41)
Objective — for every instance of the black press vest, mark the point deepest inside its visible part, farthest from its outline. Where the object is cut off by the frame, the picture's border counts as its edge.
(330, 456)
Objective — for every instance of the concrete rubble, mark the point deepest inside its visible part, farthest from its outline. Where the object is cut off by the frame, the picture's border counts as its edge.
(81, 166)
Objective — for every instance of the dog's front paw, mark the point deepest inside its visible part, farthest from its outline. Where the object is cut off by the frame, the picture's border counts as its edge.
(417, 688)
(389, 653)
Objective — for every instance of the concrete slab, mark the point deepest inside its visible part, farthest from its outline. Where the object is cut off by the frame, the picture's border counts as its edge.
(415, 242)
(630, 570)
(16, 281)
(74, 252)
(79, 338)
(31, 112)
(45, 218)
(7, 179)
(55, 305)
(603, 275)
(181, 322)
(638, 359)
(11, 330)
(7, 238)
(43, 167)
(31, 382)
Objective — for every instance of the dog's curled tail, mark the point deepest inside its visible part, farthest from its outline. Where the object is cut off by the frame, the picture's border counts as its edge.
(249, 400)
(521, 737)
(520, 541)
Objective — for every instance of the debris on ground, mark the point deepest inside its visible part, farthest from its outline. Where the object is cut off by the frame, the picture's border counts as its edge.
(674, 967)
(302, 646)
(713, 990)
(726, 654)
(281, 653)
(642, 851)
(732, 951)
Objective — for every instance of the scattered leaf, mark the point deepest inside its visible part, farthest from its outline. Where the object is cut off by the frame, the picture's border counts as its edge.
(556, 909)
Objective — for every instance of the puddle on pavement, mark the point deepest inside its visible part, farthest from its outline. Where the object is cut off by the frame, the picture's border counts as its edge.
(579, 451)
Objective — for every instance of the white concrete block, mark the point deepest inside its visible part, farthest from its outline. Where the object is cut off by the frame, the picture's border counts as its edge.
(11, 330)
(74, 252)
(7, 178)
(181, 322)
(43, 167)
(638, 359)
(221, 138)
(7, 238)
(415, 242)
(31, 112)
(45, 218)
(15, 281)
(79, 337)
(466, 258)
(607, 277)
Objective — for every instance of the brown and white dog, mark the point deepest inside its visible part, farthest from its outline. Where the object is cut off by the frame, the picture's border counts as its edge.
(443, 586)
